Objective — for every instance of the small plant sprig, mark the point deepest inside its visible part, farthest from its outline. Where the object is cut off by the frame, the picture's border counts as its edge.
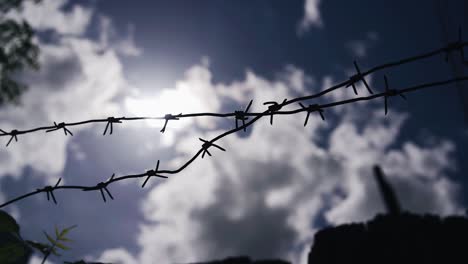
(57, 242)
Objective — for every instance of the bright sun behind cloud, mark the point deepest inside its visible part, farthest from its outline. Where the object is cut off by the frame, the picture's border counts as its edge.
(194, 94)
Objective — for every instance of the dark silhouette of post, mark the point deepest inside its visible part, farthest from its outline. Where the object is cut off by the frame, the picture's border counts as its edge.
(388, 195)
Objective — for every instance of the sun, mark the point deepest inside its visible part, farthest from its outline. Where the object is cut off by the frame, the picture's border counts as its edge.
(168, 101)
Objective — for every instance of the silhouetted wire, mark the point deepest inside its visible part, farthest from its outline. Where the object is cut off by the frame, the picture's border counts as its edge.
(102, 186)
(359, 76)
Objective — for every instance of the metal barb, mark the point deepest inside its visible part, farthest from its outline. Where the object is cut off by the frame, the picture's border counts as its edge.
(58, 126)
(13, 135)
(390, 92)
(167, 118)
(110, 121)
(207, 144)
(312, 108)
(240, 116)
(152, 173)
(50, 191)
(101, 186)
(274, 107)
(358, 77)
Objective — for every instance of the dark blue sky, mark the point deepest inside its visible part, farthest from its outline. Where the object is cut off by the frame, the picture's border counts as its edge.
(261, 36)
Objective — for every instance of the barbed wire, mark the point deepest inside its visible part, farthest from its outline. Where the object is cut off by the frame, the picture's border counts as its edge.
(274, 108)
(456, 46)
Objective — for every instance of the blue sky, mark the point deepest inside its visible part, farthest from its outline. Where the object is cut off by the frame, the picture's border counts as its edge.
(276, 185)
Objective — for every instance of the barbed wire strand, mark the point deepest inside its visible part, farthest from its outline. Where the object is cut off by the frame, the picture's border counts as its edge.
(456, 46)
(102, 186)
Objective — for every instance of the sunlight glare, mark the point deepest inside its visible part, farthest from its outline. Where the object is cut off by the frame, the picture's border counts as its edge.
(169, 101)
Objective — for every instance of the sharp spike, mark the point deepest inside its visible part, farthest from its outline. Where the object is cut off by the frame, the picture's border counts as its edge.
(9, 141)
(354, 89)
(53, 197)
(367, 85)
(248, 106)
(102, 194)
(307, 118)
(321, 115)
(356, 66)
(146, 180)
(58, 182)
(107, 126)
(107, 191)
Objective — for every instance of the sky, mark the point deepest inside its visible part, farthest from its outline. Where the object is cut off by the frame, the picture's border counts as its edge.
(276, 185)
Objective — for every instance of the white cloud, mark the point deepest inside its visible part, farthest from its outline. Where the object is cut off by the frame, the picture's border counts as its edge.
(110, 39)
(77, 80)
(261, 197)
(49, 15)
(117, 256)
(311, 17)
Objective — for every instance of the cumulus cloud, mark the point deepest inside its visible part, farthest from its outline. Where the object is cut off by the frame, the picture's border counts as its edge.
(49, 15)
(263, 196)
(312, 16)
(77, 80)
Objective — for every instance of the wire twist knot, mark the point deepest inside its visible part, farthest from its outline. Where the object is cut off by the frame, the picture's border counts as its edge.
(153, 173)
(312, 108)
(13, 135)
(50, 190)
(389, 93)
(240, 116)
(58, 126)
(206, 145)
(110, 121)
(102, 186)
(167, 118)
(274, 107)
(356, 78)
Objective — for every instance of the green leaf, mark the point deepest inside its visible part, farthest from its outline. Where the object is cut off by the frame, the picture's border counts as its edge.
(51, 240)
(56, 231)
(65, 239)
(66, 230)
(59, 245)
(8, 223)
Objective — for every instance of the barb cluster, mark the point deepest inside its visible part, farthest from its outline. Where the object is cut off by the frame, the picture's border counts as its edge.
(274, 108)
(312, 108)
(206, 145)
(110, 121)
(49, 190)
(152, 173)
(60, 126)
(13, 135)
(102, 186)
(356, 78)
(240, 116)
